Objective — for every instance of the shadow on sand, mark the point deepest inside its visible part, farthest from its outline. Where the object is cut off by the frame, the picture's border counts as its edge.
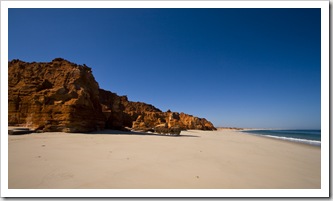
(118, 132)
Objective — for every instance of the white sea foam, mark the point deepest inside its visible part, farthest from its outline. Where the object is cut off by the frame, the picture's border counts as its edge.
(311, 142)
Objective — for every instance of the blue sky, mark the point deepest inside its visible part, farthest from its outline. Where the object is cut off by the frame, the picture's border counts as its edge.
(235, 67)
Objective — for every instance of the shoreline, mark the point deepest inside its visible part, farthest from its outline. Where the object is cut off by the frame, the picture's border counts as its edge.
(283, 138)
(275, 137)
(194, 160)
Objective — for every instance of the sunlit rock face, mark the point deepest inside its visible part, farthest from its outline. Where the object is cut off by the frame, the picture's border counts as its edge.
(63, 96)
(53, 96)
(170, 120)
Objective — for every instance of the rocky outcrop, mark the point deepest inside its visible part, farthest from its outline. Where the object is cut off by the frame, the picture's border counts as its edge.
(113, 110)
(55, 96)
(120, 112)
(63, 96)
(140, 116)
(171, 120)
(163, 129)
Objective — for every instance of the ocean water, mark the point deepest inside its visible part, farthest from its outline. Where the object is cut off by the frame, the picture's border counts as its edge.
(312, 137)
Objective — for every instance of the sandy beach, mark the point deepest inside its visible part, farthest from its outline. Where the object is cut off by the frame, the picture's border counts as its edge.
(224, 159)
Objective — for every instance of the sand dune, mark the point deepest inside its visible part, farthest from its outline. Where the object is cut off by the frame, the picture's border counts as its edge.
(195, 160)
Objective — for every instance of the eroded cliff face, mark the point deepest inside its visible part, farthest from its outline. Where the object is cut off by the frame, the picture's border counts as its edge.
(120, 113)
(63, 96)
(170, 120)
(55, 96)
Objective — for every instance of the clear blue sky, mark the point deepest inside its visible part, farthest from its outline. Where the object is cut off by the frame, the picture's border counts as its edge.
(235, 67)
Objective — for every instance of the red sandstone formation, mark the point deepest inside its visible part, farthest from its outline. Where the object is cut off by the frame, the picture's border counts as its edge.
(63, 96)
(170, 120)
(55, 96)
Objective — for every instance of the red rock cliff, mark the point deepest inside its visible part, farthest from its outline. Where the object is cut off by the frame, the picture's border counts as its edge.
(63, 96)
(54, 96)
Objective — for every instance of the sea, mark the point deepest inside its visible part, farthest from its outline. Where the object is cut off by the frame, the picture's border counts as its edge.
(312, 137)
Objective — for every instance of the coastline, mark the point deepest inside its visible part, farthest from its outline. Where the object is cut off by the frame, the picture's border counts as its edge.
(273, 133)
(223, 159)
(302, 136)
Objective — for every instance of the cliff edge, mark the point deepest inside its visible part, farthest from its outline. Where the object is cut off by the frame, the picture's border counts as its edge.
(63, 96)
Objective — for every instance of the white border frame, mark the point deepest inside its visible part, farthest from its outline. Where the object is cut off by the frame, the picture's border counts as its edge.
(323, 192)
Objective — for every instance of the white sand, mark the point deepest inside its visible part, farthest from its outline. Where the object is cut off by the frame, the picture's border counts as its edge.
(197, 159)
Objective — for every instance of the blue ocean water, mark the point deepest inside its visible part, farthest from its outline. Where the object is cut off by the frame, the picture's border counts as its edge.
(312, 137)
